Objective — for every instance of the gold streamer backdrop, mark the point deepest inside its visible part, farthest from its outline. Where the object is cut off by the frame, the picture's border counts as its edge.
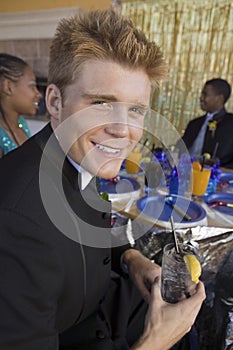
(197, 40)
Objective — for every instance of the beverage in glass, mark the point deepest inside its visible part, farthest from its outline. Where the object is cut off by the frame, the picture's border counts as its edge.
(132, 163)
(153, 174)
(200, 180)
(176, 279)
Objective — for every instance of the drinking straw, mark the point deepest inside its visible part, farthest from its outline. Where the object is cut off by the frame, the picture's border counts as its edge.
(144, 144)
(215, 150)
(174, 235)
(202, 162)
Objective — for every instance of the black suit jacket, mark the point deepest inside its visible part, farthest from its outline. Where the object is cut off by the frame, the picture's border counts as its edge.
(223, 135)
(43, 271)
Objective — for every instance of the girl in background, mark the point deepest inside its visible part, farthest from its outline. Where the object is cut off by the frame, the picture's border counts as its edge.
(18, 96)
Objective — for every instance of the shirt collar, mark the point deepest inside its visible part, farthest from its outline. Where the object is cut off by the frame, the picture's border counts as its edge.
(85, 175)
(210, 115)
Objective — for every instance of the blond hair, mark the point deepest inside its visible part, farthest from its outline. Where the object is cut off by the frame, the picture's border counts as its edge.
(101, 35)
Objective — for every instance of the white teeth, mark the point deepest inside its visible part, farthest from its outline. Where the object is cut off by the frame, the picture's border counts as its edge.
(107, 149)
(36, 103)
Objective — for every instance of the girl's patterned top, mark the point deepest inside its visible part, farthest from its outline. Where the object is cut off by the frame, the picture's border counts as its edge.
(6, 143)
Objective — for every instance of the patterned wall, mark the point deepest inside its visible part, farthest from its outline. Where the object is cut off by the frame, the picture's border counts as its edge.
(197, 39)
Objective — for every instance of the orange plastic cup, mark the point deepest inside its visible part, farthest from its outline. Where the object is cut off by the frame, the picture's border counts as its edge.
(200, 180)
(132, 163)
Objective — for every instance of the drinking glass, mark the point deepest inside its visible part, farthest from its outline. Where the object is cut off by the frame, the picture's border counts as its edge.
(200, 180)
(176, 280)
(153, 174)
(132, 163)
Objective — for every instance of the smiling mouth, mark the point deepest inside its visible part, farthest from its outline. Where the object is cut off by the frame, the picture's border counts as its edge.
(106, 149)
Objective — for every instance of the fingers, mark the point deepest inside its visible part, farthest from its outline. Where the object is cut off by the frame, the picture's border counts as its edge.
(201, 289)
(154, 273)
(189, 306)
(143, 272)
(145, 284)
(152, 278)
(192, 305)
(171, 321)
(155, 295)
(155, 289)
(145, 293)
(199, 296)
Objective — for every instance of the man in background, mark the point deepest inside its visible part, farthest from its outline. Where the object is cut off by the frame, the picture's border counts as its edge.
(212, 132)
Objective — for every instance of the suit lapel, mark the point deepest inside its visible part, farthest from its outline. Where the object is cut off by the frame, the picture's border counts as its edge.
(87, 204)
(210, 137)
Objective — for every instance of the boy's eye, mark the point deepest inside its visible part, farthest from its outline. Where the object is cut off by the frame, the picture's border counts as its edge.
(103, 103)
(137, 110)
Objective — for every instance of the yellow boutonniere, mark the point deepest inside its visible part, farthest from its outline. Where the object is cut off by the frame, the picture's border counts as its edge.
(212, 126)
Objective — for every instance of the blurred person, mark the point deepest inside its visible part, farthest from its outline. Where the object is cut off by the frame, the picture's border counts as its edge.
(18, 96)
(215, 323)
(212, 132)
(66, 283)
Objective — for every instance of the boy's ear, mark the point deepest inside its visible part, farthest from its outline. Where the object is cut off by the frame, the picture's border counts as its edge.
(53, 101)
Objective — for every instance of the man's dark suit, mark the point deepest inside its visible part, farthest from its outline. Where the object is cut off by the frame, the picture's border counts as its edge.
(222, 135)
(43, 273)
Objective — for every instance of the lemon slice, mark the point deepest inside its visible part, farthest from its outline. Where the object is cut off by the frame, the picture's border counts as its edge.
(193, 266)
(196, 165)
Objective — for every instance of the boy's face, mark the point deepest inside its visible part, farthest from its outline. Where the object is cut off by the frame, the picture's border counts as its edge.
(103, 115)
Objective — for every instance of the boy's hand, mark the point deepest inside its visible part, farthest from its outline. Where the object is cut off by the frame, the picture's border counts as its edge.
(142, 271)
(166, 323)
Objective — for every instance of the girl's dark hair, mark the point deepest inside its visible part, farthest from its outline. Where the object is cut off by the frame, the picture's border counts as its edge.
(11, 67)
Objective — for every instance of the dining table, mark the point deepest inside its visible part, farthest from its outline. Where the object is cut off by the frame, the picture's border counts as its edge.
(127, 205)
(212, 231)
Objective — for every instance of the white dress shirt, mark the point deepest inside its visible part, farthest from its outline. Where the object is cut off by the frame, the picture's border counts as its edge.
(197, 146)
(85, 175)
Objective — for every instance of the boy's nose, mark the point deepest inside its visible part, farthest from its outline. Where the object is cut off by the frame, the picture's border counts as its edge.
(119, 123)
(118, 129)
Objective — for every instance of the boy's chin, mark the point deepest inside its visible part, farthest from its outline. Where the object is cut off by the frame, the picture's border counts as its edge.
(108, 172)
(107, 175)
